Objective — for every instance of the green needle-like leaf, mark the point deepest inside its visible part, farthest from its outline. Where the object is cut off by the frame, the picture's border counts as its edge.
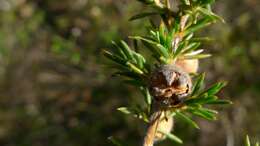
(203, 99)
(172, 137)
(191, 47)
(198, 84)
(203, 112)
(148, 97)
(203, 22)
(134, 68)
(247, 141)
(114, 58)
(216, 88)
(174, 38)
(187, 119)
(124, 110)
(163, 51)
(119, 50)
(210, 14)
(139, 59)
(199, 56)
(127, 50)
(219, 102)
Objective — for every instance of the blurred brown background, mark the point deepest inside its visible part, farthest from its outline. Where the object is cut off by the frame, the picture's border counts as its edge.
(56, 91)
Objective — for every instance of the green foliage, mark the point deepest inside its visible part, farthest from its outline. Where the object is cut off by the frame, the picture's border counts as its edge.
(54, 87)
(169, 41)
(248, 143)
(172, 137)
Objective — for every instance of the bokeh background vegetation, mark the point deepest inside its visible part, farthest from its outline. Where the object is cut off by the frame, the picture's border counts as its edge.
(56, 90)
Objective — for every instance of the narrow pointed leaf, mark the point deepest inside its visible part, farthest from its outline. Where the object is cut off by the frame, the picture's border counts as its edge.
(219, 102)
(139, 59)
(216, 88)
(204, 113)
(119, 50)
(200, 24)
(187, 119)
(134, 68)
(191, 47)
(203, 99)
(198, 84)
(124, 110)
(201, 39)
(148, 97)
(247, 141)
(136, 112)
(172, 137)
(163, 51)
(127, 50)
(199, 56)
(210, 14)
(178, 51)
(114, 57)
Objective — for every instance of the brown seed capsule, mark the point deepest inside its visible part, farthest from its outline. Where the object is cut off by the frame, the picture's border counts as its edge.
(169, 85)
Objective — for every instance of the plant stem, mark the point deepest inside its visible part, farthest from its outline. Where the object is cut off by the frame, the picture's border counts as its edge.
(152, 128)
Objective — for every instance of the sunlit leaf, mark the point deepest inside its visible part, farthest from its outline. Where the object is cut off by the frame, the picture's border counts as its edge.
(216, 88)
(204, 113)
(172, 137)
(134, 68)
(191, 47)
(127, 50)
(199, 56)
(163, 51)
(136, 112)
(203, 22)
(247, 141)
(187, 119)
(119, 50)
(148, 97)
(209, 13)
(198, 84)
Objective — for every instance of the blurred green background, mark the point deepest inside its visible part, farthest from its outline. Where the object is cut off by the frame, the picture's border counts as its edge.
(55, 89)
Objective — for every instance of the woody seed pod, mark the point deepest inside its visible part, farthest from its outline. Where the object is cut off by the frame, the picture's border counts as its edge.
(169, 85)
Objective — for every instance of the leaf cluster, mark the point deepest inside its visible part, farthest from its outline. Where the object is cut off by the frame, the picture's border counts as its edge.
(174, 38)
(248, 143)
